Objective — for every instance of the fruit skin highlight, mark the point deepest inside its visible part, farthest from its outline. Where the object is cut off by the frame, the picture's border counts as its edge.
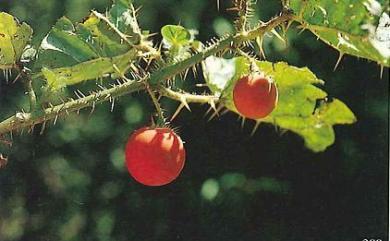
(155, 156)
(255, 96)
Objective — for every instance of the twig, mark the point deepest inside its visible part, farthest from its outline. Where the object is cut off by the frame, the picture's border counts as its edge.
(142, 47)
(188, 98)
(22, 120)
(236, 40)
(156, 105)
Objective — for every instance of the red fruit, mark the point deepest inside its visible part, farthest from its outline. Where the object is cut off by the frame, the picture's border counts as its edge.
(255, 96)
(155, 156)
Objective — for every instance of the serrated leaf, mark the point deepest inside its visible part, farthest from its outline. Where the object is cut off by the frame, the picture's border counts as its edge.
(297, 109)
(359, 28)
(99, 46)
(14, 37)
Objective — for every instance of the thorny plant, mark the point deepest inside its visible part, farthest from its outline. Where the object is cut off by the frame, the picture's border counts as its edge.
(114, 50)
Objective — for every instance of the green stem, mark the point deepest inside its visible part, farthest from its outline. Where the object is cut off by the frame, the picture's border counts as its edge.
(28, 85)
(27, 120)
(160, 114)
(236, 40)
(31, 94)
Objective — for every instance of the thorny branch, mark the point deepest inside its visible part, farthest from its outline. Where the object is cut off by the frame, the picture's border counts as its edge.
(189, 98)
(23, 120)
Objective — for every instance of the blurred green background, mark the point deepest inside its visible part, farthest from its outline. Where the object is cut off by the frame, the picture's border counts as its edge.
(70, 182)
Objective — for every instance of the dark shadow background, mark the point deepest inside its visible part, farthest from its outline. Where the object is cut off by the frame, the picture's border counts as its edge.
(70, 182)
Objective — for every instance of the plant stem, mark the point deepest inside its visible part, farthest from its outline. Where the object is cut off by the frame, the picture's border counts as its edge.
(236, 40)
(31, 94)
(188, 98)
(160, 114)
(29, 87)
(27, 120)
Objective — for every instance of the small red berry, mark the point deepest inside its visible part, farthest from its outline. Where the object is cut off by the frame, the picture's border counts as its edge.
(255, 96)
(155, 156)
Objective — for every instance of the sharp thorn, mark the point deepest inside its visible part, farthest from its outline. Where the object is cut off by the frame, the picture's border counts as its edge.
(93, 108)
(112, 104)
(216, 112)
(42, 128)
(255, 127)
(212, 104)
(242, 122)
(16, 78)
(259, 42)
(184, 102)
(338, 61)
(179, 108)
(224, 112)
(55, 119)
(208, 111)
(278, 36)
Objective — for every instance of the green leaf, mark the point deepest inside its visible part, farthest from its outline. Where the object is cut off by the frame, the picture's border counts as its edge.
(122, 14)
(61, 77)
(175, 35)
(14, 37)
(99, 46)
(62, 38)
(358, 28)
(104, 39)
(335, 112)
(178, 42)
(297, 110)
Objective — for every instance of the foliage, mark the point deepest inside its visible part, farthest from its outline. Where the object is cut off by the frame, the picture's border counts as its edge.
(302, 107)
(68, 181)
(14, 38)
(363, 33)
(112, 46)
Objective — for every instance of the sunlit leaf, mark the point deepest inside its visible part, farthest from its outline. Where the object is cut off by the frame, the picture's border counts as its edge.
(302, 106)
(13, 39)
(359, 28)
(122, 14)
(175, 35)
(62, 38)
(61, 77)
(177, 42)
(101, 45)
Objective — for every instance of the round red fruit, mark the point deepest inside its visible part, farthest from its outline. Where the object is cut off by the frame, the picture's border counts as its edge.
(155, 156)
(255, 96)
